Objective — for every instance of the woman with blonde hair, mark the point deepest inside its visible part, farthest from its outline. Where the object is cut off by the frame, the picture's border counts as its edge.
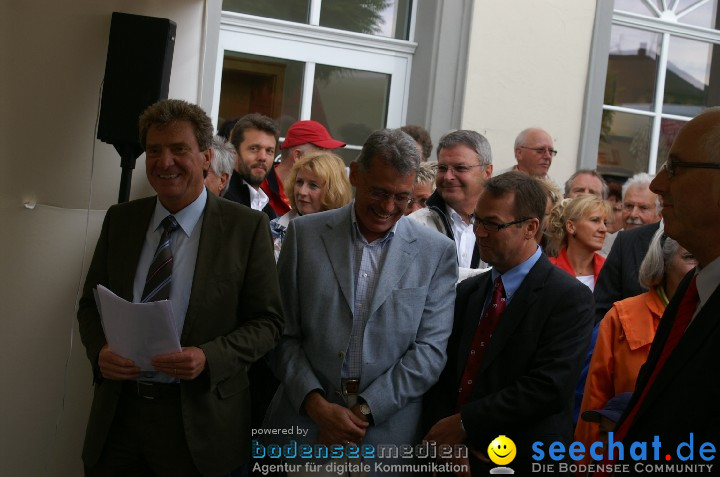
(317, 182)
(578, 227)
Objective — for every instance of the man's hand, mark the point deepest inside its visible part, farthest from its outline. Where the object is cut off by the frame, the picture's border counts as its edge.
(187, 364)
(447, 431)
(114, 366)
(356, 410)
(337, 424)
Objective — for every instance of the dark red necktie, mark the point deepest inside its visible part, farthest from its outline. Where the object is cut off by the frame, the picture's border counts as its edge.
(481, 341)
(685, 312)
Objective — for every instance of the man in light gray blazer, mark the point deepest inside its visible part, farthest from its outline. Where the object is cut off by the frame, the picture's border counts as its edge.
(368, 297)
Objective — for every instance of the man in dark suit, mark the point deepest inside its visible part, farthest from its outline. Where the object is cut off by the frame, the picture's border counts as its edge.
(254, 137)
(189, 416)
(515, 377)
(618, 278)
(678, 389)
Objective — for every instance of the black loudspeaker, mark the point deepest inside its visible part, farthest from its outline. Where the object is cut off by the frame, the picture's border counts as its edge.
(137, 74)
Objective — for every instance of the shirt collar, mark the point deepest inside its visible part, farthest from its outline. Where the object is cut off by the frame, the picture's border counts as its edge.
(357, 235)
(513, 278)
(187, 218)
(456, 218)
(707, 280)
(255, 193)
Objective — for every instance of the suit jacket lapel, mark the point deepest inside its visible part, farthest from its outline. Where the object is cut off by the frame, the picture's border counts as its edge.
(210, 236)
(134, 238)
(517, 309)
(340, 255)
(699, 330)
(400, 254)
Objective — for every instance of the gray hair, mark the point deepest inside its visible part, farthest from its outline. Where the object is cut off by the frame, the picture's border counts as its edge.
(643, 180)
(652, 269)
(522, 136)
(393, 147)
(465, 137)
(223, 157)
(427, 174)
(590, 172)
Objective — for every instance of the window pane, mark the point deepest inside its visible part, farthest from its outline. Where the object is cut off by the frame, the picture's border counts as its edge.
(703, 16)
(688, 89)
(347, 155)
(635, 6)
(669, 129)
(632, 68)
(350, 103)
(258, 84)
(389, 18)
(624, 143)
(291, 10)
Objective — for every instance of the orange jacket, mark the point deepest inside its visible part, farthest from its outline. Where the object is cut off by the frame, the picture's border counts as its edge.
(622, 347)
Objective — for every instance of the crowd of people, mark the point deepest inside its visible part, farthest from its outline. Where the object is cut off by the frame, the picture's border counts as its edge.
(442, 302)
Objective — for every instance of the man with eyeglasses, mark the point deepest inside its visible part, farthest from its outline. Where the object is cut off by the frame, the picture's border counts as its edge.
(618, 278)
(677, 389)
(464, 165)
(534, 152)
(368, 298)
(519, 339)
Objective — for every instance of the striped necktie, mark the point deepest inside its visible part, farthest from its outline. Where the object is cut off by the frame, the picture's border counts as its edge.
(159, 277)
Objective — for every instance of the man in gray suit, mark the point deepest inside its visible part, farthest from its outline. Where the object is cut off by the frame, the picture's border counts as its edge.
(368, 296)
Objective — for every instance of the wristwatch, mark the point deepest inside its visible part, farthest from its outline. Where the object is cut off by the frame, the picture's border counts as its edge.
(365, 410)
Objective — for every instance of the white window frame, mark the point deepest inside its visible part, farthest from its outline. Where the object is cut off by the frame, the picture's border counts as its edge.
(666, 26)
(313, 44)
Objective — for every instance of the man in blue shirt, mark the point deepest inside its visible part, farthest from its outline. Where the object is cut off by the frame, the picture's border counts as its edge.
(514, 378)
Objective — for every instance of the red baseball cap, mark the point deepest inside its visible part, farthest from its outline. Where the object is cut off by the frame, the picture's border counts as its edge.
(309, 131)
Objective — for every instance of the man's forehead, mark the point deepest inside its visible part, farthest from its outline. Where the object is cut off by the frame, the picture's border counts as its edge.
(255, 136)
(585, 179)
(539, 137)
(489, 204)
(399, 184)
(170, 134)
(639, 192)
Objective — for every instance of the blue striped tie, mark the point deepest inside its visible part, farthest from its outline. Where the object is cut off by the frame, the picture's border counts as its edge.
(159, 277)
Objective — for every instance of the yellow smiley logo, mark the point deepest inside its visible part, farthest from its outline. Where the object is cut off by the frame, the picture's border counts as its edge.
(501, 450)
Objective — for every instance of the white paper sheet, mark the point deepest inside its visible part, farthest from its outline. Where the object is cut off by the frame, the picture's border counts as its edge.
(137, 331)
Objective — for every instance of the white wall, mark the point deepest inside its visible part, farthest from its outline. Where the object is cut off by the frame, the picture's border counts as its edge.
(527, 66)
(52, 60)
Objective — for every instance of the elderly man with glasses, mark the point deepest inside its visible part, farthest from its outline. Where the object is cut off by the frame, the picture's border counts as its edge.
(534, 152)
(464, 165)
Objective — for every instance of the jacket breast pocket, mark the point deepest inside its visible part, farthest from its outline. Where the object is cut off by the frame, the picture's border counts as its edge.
(406, 307)
(232, 386)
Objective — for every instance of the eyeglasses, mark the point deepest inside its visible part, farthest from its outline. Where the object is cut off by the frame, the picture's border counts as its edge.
(542, 150)
(493, 227)
(379, 195)
(671, 166)
(421, 201)
(459, 169)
